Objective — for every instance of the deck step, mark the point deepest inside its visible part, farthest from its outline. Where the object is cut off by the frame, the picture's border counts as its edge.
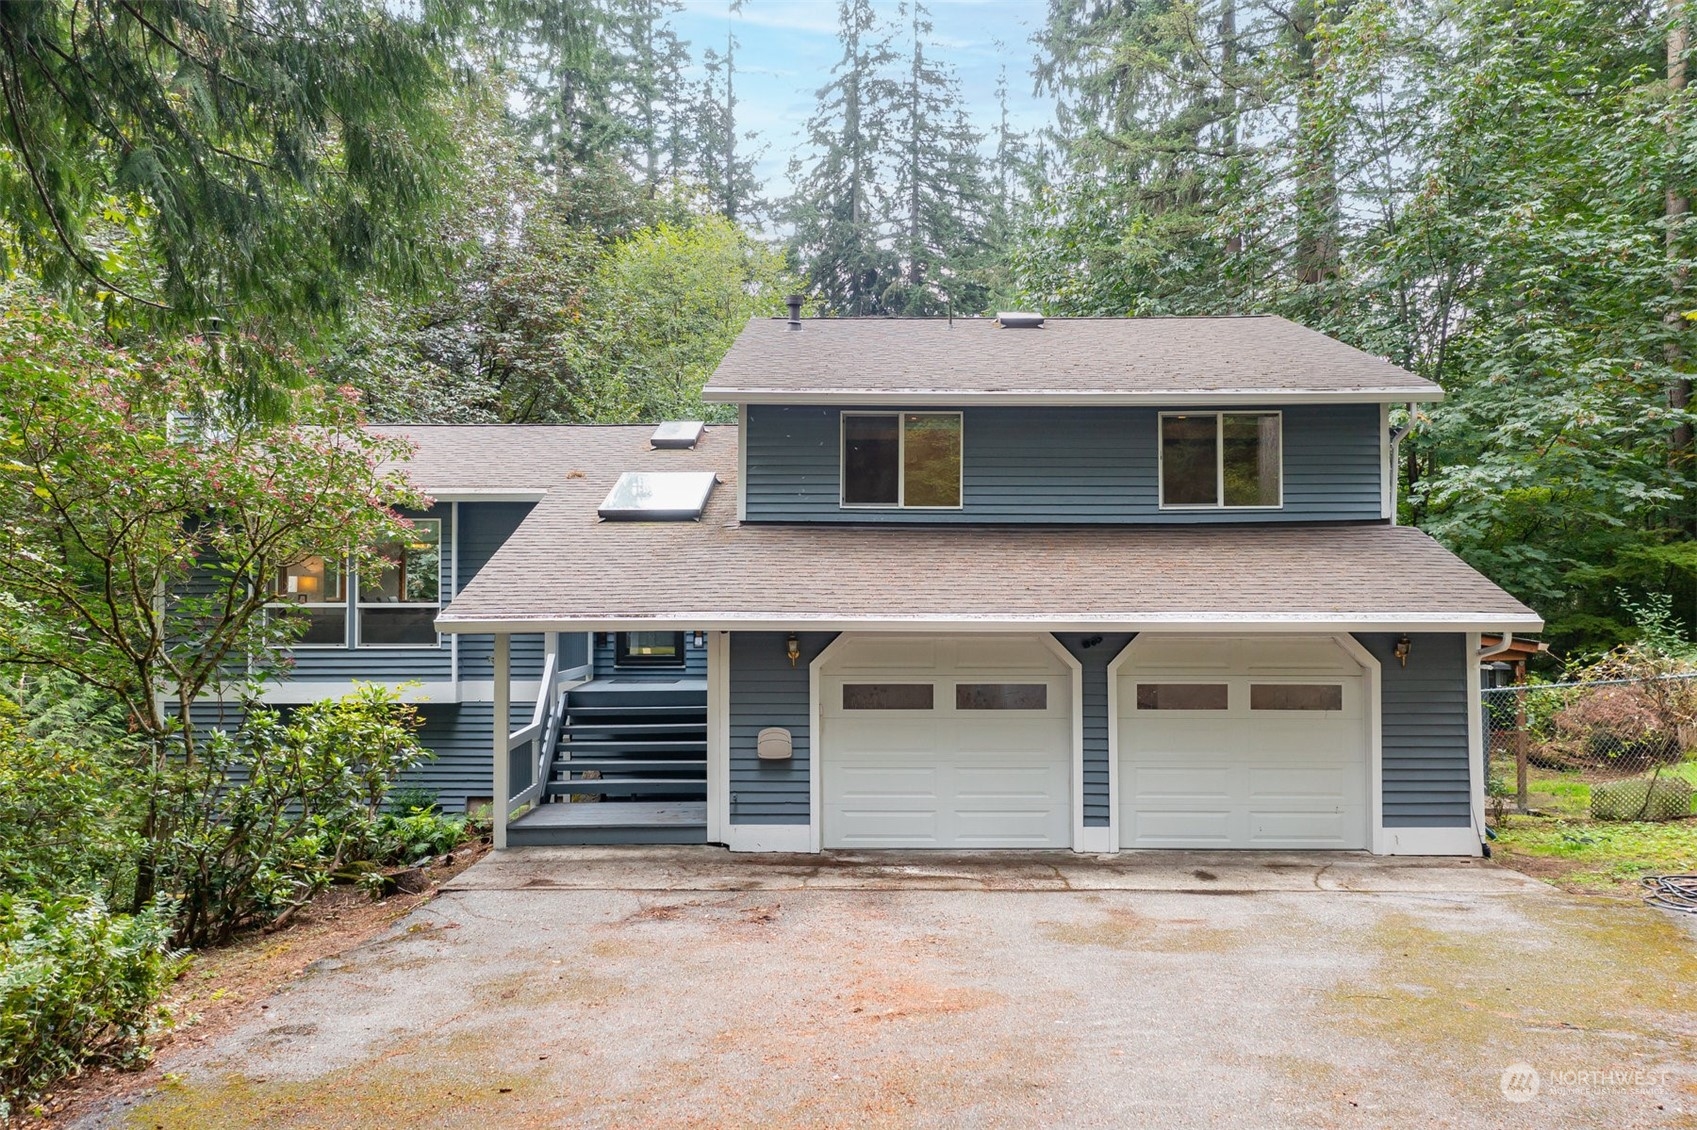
(629, 765)
(612, 822)
(636, 711)
(627, 785)
(637, 727)
(668, 745)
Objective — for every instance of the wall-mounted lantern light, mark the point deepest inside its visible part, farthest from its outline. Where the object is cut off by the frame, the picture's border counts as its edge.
(700, 638)
(1401, 651)
(793, 649)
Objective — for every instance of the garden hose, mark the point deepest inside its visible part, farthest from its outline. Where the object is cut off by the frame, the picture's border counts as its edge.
(1672, 892)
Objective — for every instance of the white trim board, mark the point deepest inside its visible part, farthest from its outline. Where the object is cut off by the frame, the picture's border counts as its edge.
(1308, 623)
(719, 829)
(1045, 398)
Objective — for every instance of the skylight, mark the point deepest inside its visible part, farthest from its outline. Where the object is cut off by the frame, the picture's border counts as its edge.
(677, 433)
(658, 496)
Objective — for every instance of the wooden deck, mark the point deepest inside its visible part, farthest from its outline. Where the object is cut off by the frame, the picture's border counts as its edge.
(616, 822)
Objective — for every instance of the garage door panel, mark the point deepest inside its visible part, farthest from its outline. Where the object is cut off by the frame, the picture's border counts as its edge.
(1180, 827)
(1311, 828)
(1243, 777)
(992, 777)
(1182, 782)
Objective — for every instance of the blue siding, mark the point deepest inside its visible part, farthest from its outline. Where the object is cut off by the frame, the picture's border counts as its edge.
(1063, 465)
(695, 661)
(1424, 708)
(767, 691)
(1095, 660)
(484, 528)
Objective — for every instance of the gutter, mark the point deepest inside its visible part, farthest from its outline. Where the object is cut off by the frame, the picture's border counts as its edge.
(1497, 648)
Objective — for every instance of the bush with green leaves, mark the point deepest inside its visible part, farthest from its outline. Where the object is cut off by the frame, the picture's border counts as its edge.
(1655, 797)
(264, 818)
(63, 822)
(78, 986)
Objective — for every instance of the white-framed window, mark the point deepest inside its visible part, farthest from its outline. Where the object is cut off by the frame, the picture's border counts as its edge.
(317, 586)
(400, 594)
(909, 460)
(1221, 460)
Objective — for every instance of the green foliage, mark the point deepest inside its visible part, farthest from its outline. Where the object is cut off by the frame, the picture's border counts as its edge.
(262, 819)
(1655, 797)
(184, 160)
(63, 822)
(78, 986)
(419, 835)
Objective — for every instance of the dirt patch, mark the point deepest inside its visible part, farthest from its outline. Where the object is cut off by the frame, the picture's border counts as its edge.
(225, 986)
(1127, 930)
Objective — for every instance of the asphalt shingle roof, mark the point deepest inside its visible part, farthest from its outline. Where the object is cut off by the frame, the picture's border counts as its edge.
(1173, 360)
(565, 568)
(493, 459)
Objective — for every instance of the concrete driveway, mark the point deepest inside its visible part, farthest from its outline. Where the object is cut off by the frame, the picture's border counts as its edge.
(689, 987)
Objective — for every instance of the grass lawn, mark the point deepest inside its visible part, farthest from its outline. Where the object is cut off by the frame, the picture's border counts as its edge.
(1566, 846)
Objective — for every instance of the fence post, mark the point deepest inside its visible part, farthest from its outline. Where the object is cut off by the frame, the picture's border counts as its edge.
(1522, 794)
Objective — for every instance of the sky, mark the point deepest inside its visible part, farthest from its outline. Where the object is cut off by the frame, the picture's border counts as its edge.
(786, 49)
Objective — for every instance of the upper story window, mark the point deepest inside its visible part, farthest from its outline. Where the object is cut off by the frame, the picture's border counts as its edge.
(905, 459)
(400, 595)
(1221, 459)
(318, 587)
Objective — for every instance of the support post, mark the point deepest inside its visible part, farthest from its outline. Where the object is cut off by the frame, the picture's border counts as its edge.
(502, 728)
(1522, 795)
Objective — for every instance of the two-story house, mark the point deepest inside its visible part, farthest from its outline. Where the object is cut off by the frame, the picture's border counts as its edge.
(1066, 583)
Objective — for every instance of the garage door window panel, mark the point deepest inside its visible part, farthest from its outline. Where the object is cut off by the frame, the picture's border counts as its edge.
(908, 460)
(1183, 696)
(888, 696)
(1295, 696)
(1001, 696)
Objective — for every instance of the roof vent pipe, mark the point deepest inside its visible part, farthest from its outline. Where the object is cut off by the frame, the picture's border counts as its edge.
(794, 301)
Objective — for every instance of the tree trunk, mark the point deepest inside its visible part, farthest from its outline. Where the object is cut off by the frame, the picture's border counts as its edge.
(1317, 177)
(1228, 98)
(730, 127)
(1677, 207)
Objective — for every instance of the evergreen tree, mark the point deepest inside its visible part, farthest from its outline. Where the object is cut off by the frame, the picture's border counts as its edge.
(726, 173)
(840, 239)
(940, 199)
(201, 164)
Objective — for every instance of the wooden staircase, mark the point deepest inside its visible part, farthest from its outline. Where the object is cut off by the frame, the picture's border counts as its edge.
(630, 766)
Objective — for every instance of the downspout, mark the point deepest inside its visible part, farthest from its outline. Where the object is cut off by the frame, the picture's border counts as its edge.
(1396, 442)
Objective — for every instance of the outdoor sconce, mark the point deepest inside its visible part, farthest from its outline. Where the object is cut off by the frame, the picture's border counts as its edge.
(1401, 651)
(793, 649)
(700, 639)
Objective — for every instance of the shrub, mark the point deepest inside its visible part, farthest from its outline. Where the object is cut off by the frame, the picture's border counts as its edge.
(78, 985)
(263, 819)
(62, 825)
(1642, 798)
(418, 836)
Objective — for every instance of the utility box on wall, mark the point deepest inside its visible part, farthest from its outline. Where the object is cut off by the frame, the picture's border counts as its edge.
(774, 744)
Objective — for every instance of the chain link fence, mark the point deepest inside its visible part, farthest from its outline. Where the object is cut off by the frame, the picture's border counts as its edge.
(1627, 738)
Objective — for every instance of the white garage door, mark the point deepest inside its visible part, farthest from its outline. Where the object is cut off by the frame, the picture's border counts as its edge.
(945, 742)
(1242, 744)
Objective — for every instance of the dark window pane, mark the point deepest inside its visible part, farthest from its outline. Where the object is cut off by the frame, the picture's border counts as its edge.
(1189, 461)
(649, 649)
(1252, 459)
(932, 457)
(1181, 696)
(325, 627)
(887, 696)
(871, 459)
(392, 627)
(1295, 696)
(1001, 696)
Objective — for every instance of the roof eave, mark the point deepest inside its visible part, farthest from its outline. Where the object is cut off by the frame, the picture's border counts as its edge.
(1187, 622)
(1040, 398)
